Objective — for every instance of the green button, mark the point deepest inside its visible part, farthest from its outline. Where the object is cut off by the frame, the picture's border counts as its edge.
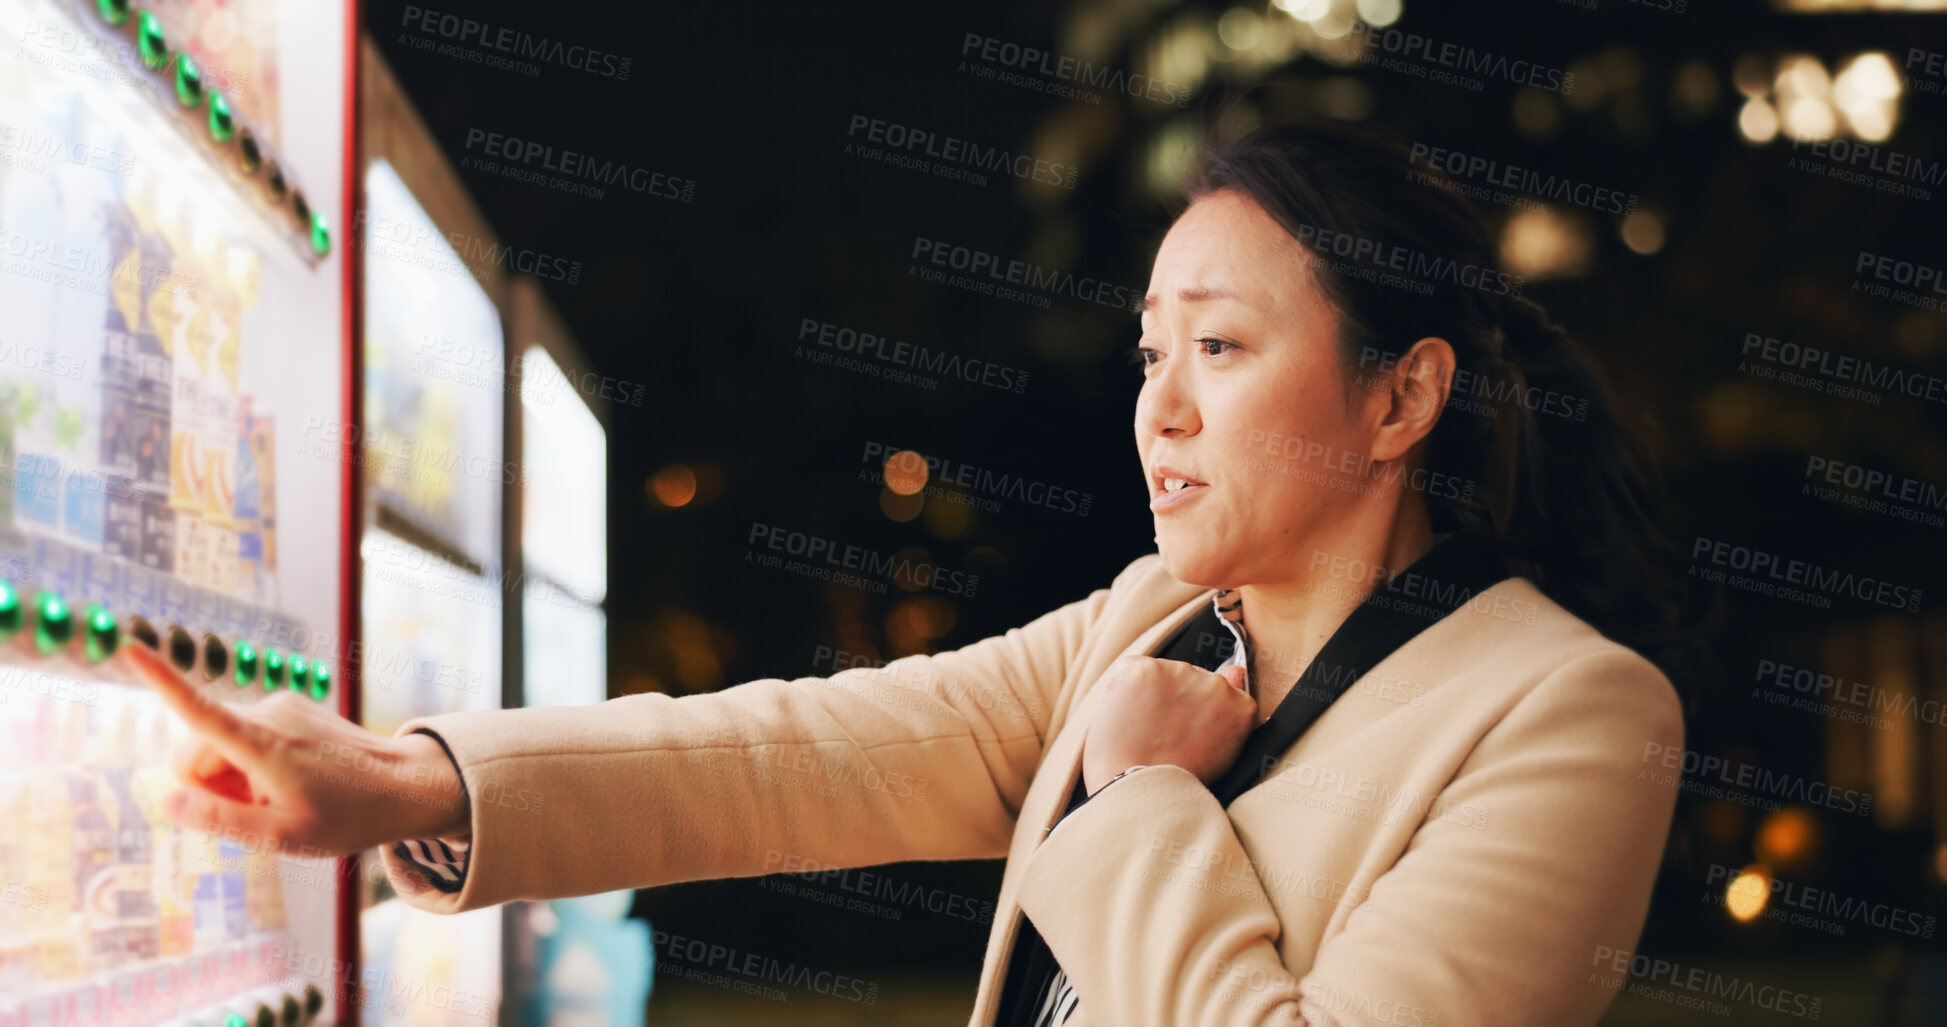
(320, 235)
(149, 41)
(273, 670)
(223, 126)
(235, 1020)
(320, 681)
(114, 12)
(54, 622)
(300, 673)
(9, 610)
(189, 81)
(103, 634)
(246, 663)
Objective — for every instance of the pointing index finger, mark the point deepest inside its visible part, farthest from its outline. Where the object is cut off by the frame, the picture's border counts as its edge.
(232, 734)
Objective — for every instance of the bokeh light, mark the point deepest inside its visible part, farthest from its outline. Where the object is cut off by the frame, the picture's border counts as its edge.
(1545, 243)
(1747, 893)
(906, 472)
(672, 486)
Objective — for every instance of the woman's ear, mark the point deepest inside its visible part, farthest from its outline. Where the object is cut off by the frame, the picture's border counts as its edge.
(1416, 393)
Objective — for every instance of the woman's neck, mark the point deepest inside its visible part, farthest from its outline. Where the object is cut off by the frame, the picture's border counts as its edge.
(1290, 620)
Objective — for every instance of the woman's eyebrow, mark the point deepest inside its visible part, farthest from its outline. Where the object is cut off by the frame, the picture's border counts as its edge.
(1189, 294)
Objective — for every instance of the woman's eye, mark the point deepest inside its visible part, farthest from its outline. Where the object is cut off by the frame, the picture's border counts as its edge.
(1219, 344)
(1142, 356)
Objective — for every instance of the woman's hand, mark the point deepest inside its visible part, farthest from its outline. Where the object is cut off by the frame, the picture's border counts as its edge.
(286, 768)
(1166, 711)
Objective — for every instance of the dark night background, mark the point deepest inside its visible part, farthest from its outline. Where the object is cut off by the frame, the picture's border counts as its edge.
(702, 302)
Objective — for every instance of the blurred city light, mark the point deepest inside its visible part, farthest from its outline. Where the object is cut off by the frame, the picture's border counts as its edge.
(673, 486)
(1747, 893)
(1544, 243)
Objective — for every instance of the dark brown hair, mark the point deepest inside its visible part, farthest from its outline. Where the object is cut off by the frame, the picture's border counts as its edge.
(1564, 481)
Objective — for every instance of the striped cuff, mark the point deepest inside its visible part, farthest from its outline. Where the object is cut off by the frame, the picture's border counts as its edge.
(441, 861)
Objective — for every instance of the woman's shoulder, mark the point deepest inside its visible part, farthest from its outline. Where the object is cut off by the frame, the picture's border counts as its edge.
(1562, 666)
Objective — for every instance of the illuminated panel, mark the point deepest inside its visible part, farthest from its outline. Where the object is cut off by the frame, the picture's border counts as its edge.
(431, 590)
(564, 519)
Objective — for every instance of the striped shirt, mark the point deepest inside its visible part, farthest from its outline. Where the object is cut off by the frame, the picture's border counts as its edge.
(441, 861)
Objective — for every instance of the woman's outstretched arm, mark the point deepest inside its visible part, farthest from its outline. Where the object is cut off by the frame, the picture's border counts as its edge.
(928, 757)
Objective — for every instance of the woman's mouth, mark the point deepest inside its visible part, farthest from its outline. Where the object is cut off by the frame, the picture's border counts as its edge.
(1175, 493)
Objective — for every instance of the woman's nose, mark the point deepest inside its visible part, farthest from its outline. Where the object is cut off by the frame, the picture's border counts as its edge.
(1165, 406)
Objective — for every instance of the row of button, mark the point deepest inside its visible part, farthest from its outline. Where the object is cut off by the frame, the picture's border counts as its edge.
(187, 78)
(54, 631)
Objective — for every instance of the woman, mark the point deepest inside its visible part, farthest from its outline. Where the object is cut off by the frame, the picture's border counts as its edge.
(1347, 749)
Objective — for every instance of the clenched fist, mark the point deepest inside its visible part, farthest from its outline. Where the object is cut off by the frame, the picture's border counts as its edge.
(1154, 711)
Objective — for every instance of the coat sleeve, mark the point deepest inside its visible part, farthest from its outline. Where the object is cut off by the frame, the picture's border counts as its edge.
(926, 758)
(1502, 923)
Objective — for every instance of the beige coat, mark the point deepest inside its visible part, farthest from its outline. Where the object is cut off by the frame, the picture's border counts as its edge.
(1462, 838)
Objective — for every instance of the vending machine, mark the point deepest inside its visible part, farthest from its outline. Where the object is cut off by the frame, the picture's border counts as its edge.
(433, 476)
(175, 471)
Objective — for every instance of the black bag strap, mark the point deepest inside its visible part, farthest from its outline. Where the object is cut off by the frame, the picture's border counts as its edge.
(1446, 577)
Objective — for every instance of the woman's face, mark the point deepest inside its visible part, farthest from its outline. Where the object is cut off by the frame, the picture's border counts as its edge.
(1243, 394)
